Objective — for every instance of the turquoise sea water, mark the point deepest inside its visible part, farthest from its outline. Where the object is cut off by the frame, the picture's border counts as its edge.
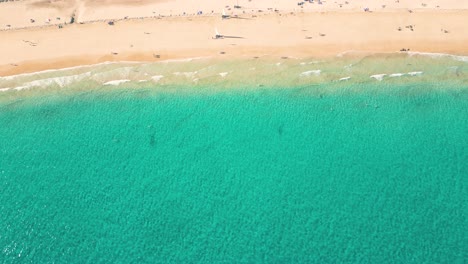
(295, 171)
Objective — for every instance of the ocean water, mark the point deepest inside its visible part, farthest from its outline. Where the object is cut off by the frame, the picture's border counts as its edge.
(241, 161)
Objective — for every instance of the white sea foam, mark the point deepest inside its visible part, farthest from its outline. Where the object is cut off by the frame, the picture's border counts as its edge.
(396, 75)
(4, 89)
(61, 81)
(378, 77)
(141, 81)
(123, 72)
(415, 73)
(309, 73)
(412, 53)
(116, 82)
(223, 74)
(19, 88)
(156, 78)
(440, 55)
(11, 77)
(345, 78)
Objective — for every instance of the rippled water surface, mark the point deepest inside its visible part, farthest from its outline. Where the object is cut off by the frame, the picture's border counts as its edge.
(285, 168)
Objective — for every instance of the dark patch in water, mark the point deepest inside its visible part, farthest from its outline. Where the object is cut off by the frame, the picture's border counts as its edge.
(152, 140)
(280, 129)
(183, 120)
(48, 112)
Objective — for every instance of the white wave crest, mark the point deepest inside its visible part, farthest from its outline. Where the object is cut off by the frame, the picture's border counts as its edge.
(396, 75)
(12, 77)
(415, 73)
(378, 77)
(19, 88)
(116, 82)
(156, 78)
(344, 78)
(61, 81)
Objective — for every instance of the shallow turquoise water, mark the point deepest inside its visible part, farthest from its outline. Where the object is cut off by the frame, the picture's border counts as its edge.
(373, 174)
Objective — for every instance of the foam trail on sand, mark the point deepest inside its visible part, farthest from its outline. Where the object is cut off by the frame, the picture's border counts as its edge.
(312, 72)
(184, 60)
(121, 72)
(223, 74)
(440, 55)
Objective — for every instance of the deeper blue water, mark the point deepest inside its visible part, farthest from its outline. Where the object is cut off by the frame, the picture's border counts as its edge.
(265, 175)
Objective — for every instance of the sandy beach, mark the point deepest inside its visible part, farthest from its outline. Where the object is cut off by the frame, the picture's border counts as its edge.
(161, 30)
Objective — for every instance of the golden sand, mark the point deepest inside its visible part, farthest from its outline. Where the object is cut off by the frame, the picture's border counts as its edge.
(165, 32)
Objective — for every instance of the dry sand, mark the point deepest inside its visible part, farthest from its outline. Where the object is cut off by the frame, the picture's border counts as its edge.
(159, 30)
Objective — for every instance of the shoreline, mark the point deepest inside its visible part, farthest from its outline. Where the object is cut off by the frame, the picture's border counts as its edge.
(346, 54)
(235, 72)
(67, 63)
